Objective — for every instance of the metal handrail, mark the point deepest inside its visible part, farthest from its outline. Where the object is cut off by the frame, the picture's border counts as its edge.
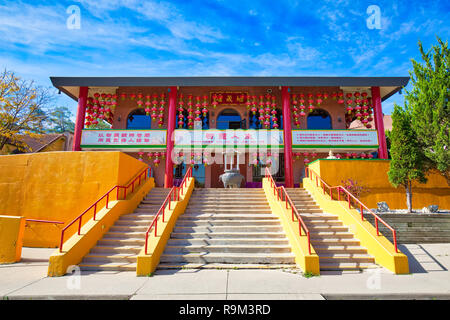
(147, 171)
(287, 199)
(309, 172)
(175, 191)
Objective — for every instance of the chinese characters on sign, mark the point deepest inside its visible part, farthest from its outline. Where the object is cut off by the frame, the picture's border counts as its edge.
(229, 98)
(334, 137)
(230, 137)
(120, 138)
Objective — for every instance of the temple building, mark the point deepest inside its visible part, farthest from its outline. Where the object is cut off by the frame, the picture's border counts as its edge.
(217, 123)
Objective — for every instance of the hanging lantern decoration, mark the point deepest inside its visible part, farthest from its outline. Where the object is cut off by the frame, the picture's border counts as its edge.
(261, 110)
(123, 96)
(140, 154)
(340, 97)
(348, 155)
(274, 113)
(306, 161)
(313, 155)
(310, 102)
(302, 105)
(205, 106)
(319, 99)
(253, 108)
(297, 155)
(338, 156)
(214, 102)
(267, 111)
(248, 102)
(268, 162)
(156, 162)
(190, 111)
(325, 96)
(154, 107)
(180, 112)
(295, 110)
(198, 112)
(162, 105)
(140, 100)
(132, 96)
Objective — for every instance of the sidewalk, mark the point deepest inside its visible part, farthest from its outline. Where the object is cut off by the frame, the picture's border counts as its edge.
(429, 279)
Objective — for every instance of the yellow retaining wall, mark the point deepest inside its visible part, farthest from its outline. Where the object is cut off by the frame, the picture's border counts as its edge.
(147, 263)
(58, 186)
(299, 244)
(78, 246)
(378, 246)
(373, 175)
(11, 236)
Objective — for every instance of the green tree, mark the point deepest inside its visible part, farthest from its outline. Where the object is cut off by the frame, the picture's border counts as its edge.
(22, 112)
(59, 120)
(408, 160)
(428, 103)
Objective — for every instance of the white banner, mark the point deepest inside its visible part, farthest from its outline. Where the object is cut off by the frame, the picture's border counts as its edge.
(120, 138)
(238, 137)
(334, 138)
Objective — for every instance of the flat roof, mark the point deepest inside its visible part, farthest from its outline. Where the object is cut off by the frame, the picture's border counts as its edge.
(388, 85)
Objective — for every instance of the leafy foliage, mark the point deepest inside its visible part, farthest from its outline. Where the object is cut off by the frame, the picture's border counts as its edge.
(21, 109)
(59, 120)
(428, 105)
(408, 160)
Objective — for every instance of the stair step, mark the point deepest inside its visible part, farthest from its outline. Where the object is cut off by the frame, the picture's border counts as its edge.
(346, 258)
(232, 228)
(217, 222)
(108, 266)
(320, 248)
(121, 241)
(227, 242)
(268, 249)
(184, 265)
(325, 227)
(113, 257)
(227, 235)
(115, 249)
(339, 266)
(226, 217)
(221, 257)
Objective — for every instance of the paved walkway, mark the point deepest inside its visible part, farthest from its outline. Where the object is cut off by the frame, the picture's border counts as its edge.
(429, 278)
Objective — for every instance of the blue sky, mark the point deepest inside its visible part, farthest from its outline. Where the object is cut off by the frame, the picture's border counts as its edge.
(217, 38)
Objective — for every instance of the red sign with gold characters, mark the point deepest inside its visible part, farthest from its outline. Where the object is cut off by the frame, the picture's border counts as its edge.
(228, 98)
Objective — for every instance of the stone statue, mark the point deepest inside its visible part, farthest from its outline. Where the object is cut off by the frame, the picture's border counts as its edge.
(331, 155)
(231, 178)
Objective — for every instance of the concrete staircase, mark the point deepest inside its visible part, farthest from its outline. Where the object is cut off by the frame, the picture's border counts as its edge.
(335, 245)
(118, 248)
(227, 228)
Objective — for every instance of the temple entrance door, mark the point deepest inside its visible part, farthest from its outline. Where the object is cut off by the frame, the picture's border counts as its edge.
(218, 169)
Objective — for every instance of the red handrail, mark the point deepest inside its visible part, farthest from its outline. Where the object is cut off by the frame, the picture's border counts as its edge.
(44, 221)
(309, 174)
(287, 199)
(175, 191)
(146, 172)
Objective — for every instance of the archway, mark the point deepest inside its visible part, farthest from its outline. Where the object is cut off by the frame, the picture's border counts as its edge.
(229, 119)
(319, 119)
(137, 119)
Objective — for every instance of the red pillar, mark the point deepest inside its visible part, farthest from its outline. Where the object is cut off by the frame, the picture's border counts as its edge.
(79, 122)
(379, 124)
(287, 136)
(168, 177)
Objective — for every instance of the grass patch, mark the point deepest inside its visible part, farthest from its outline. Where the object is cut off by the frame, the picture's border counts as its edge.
(309, 274)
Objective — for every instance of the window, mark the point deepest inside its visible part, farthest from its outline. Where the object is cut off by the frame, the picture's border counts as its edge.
(138, 120)
(319, 119)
